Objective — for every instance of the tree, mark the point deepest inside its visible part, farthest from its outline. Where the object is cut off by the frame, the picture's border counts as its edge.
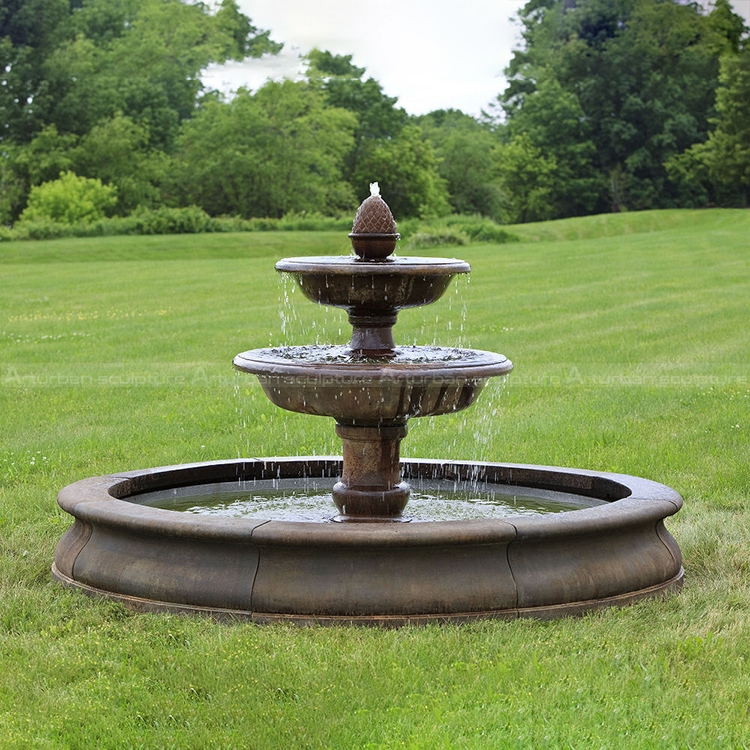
(143, 58)
(24, 166)
(553, 123)
(378, 117)
(527, 180)
(72, 64)
(102, 86)
(463, 149)
(386, 147)
(406, 169)
(117, 151)
(267, 154)
(641, 75)
(727, 152)
(30, 30)
(725, 156)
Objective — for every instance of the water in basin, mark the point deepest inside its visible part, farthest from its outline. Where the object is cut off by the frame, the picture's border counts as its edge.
(309, 500)
(404, 355)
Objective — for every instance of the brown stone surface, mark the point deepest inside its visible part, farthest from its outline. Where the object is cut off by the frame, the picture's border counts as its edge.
(374, 217)
(373, 573)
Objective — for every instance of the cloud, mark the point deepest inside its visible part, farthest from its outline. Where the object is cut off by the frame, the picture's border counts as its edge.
(431, 55)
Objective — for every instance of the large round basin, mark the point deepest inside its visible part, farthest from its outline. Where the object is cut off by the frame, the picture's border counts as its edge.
(385, 574)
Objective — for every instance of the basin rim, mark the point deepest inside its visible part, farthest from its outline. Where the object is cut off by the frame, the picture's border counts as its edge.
(350, 265)
(484, 364)
(103, 500)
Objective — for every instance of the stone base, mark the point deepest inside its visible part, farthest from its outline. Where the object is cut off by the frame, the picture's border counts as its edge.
(375, 573)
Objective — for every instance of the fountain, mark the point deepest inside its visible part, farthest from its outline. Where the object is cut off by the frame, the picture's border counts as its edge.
(261, 539)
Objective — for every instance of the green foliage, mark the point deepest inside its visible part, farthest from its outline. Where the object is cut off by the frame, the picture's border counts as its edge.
(725, 157)
(463, 148)
(313, 221)
(407, 171)
(612, 91)
(12, 190)
(325, 67)
(386, 148)
(456, 229)
(44, 158)
(116, 150)
(101, 87)
(265, 155)
(436, 238)
(248, 40)
(480, 229)
(70, 200)
(552, 123)
(46, 229)
(165, 220)
(189, 220)
(605, 100)
(30, 30)
(24, 166)
(378, 117)
(140, 57)
(527, 180)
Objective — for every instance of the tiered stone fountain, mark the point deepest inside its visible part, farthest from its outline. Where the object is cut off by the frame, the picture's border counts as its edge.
(372, 387)
(601, 542)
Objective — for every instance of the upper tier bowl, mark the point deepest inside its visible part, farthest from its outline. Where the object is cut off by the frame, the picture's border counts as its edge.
(391, 284)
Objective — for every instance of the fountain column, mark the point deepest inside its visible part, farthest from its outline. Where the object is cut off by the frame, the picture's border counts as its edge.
(372, 333)
(371, 486)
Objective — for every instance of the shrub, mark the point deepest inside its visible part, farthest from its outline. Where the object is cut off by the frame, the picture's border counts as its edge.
(465, 228)
(238, 224)
(69, 200)
(437, 237)
(480, 229)
(260, 225)
(415, 233)
(309, 221)
(42, 230)
(189, 220)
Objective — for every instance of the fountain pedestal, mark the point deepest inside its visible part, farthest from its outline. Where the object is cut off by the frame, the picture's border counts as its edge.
(372, 333)
(371, 488)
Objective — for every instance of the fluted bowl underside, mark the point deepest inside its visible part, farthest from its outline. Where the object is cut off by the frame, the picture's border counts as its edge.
(328, 381)
(394, 283)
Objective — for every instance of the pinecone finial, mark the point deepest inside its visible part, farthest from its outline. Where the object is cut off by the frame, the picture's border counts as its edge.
(374, 233)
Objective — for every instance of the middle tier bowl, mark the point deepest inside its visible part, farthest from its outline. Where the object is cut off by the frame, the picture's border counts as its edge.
(418, 381)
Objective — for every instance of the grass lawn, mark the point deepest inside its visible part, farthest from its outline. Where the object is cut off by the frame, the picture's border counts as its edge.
(629, 334)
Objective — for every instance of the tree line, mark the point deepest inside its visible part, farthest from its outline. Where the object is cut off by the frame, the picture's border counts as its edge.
(610, 105)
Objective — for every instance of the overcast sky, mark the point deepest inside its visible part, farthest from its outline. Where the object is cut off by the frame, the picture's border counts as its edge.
(431, 54)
